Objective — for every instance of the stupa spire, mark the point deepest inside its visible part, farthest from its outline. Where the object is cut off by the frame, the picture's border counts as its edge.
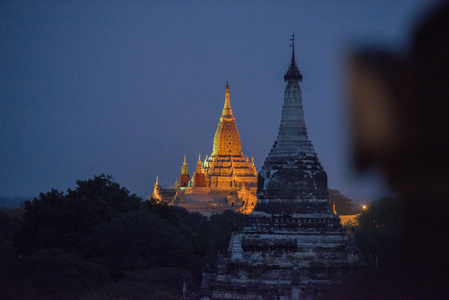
(293, 62)
(227, 139)
(156, 191)
(227, 111)
(293, 73)
(184, 169)
(299, 177)
(199, 166)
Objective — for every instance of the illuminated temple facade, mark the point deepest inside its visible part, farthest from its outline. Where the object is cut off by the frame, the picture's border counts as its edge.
(225, 180)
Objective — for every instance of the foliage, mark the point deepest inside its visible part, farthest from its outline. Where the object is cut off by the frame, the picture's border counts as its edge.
(379, 230)
(100, 241)
(221, 227)
(154, 283)
(192, 226)
(52, 273)
(10, 223)
(208, 237)
(139, 241)
(343, 205)
(108, 196)
(55, 220)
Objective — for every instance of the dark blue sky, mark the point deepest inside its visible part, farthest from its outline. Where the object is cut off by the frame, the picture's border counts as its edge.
(91, 87)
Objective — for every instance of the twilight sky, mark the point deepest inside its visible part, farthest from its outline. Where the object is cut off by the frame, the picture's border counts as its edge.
(126, 89)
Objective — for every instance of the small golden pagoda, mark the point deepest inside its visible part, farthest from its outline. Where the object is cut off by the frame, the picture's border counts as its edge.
(184, 178)
(199, 178)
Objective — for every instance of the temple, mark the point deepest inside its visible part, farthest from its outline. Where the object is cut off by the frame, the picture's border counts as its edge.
(225, 180)
(293, 244)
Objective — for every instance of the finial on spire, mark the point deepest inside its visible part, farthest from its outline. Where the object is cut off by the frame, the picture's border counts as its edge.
(199, 158)
(227, 85)
(293, 47)
(184, 169)
(293, 73)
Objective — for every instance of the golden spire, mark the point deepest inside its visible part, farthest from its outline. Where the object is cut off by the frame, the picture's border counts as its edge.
(185, 169)
(227, 111)
(199, 165)
(156, 191)
(227, 139)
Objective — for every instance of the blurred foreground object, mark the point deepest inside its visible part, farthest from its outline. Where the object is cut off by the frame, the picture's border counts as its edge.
(400, 111)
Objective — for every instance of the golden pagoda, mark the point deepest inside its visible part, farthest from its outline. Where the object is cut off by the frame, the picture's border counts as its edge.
(199, 178)
(226, 167)
(184, 178)
(226, 179)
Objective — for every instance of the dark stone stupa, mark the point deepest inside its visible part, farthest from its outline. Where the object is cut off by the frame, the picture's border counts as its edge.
(292, 179)
(293, 244)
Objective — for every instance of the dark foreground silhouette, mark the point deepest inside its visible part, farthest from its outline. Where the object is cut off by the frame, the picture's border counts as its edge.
(400, 105)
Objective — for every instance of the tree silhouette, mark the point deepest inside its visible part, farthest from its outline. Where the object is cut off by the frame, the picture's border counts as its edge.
(58, 220)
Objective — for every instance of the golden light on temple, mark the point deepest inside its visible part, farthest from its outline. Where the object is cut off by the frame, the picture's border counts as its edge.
(225, 180)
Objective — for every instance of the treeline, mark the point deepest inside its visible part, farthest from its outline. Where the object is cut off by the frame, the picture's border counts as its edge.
(99, 241)
(379, 231)
(7, 203)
